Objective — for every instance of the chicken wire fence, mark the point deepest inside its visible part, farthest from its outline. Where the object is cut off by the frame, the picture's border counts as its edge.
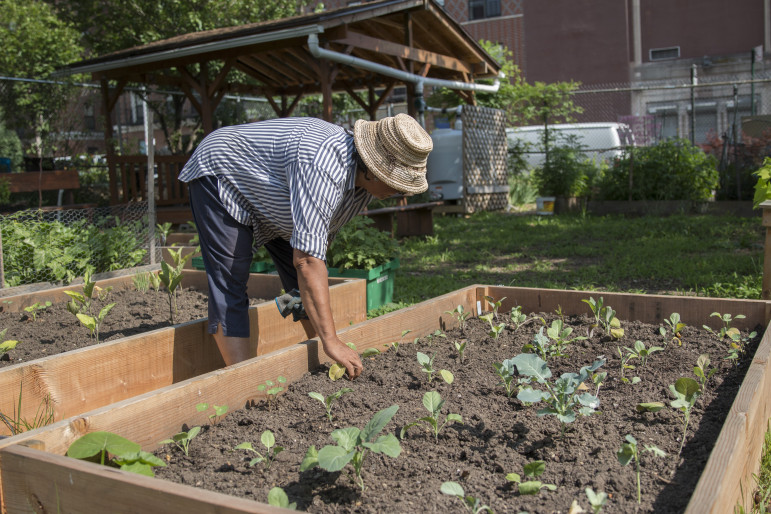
(54, 247)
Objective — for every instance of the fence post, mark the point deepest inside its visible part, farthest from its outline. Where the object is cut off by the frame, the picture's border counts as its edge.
(766, 291)
(150, 148)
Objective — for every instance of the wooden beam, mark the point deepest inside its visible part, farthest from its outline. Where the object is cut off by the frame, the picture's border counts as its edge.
(274, 78)
(113, 98)
(403, 51)
(190, 80)
(294, 104)
(189, 94)
(218, 80)
(359, 100)
(386, 92)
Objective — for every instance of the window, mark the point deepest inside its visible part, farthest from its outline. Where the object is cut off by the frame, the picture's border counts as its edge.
(88, 117)
(665, 121)
(479, 9)
(660, 54)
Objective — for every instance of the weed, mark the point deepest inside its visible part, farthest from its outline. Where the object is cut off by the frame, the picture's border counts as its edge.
(142, 282)
(44, 414)
(433, 403)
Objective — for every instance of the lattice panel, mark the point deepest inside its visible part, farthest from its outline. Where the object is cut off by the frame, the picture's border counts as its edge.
(484, 159)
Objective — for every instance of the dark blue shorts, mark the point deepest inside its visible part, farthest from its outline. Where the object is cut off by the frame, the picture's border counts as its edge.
(227, 247)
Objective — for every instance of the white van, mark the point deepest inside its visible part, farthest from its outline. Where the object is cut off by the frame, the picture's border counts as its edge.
(601, 141)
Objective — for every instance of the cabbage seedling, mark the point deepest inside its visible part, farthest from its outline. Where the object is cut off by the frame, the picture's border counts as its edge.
(610, 323)
(353, 445)
(675, 326)
(219, 411)
(471, 503)
(460, 347)
(625, 358)
(127, 455)
(543, 346)
(430, 337)
(596, 500)
(738, 343)
(560, 333)
(562, 396)
(641, 352)
(506, 371)
(33, 309)
(726, 330)
(629, 451)
(329, 400)
(495, 330)
(433, 403)
(517, 318)
(686, 391)
(395, 344)
(427, 364)
(531, 470)
(596, 306)
(271, 389)
(461, 315)
(277, 498)
(268, 440)
(703, 371)
(183, 439)
(495, 305)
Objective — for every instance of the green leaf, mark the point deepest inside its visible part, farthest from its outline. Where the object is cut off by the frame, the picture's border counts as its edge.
(455, 417)
(530, 395)
(268, 439)
(530, 487)
(625, 454)
(244, 446)
(88, 321)
(432, 401)
(453, 489)
(535, 468)
(687, 387)
(318, 396)
(369, 352)
(96, 442)
(278, 498)
(347, 438)
(9, 345)
(513, 477)
(378, 421)
(447, 376)
(336, 371)
(310, 460)
(649, 407)
(334, 458)
(531, 365)
(201, 407)
(387, 444)
(140, 468)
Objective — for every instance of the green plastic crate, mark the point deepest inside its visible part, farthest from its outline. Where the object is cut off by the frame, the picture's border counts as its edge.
(380, 282)
(257, 267)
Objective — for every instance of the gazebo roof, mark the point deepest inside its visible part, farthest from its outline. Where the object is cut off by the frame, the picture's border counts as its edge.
(415, 36)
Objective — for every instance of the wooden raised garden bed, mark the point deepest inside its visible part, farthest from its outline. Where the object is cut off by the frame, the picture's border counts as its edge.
(85, 379)
(48, 481)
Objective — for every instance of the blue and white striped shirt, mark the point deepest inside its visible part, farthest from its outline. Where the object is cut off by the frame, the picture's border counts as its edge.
(289, 178)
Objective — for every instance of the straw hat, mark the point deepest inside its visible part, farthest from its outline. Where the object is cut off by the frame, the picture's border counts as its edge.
(395, 149)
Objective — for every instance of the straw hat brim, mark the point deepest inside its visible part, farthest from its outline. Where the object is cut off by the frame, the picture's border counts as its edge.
(385, 166)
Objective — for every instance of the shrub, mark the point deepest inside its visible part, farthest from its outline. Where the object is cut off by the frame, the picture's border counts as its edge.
(670, 170)
(566, 171)
(360, 246)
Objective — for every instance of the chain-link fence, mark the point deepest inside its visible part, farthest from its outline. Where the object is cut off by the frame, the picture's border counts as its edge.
(57, 246)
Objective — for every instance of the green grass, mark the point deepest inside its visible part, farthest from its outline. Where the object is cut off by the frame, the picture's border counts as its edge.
(718, 256)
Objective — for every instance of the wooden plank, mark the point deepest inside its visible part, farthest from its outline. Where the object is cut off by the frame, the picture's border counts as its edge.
(87, 378)
(236, 385)
(37, 481)
(47, 180)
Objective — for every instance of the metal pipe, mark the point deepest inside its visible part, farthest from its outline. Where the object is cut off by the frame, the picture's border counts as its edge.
(418, 80)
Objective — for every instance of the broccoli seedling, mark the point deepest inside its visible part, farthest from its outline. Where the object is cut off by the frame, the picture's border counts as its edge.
(559, 333)
(395, 345)
(641, 352)
(219, 411)
(460, 347)
(271, 389)
(517, 318)
(471, 503)
(596, 500)
(543, 346)
(183, 439)
(629, 451)
(33, 309)
(703, 372)
(277, 498)
(531, 470)
(268, 440)
(495, 330)
(738, 345)
(461, 316)
(495, 305)
(610, 323)
(625, 358)
(686, 391)
(353, 445)
(507, 373)
(726, 330)
(427, 365)
(433, 403)
(327, 401)
(596, 306)
(675, 326)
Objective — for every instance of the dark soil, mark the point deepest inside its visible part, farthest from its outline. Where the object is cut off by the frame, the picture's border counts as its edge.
(55, 330)
(499, 435)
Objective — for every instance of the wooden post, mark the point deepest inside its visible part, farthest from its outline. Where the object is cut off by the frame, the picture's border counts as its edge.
(766, 291)
(326, 79)
(111, 168)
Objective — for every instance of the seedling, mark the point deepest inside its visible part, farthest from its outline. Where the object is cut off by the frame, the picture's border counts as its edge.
(82, 302)
(596, 500)
(93, 323)
(155, 281)
(163, 231)
(562, 396)
(495, 305)
(219, 411)
(127, 455)
(460, 347)
(427, 365)
(675, 326)
(726, 330)
(471, 503)
(597, 307)
(507, 372)
(436, 333)
(327, 401)
(277, 498)
(395, 344)
(610, 323)
(171, 277)
(738, 345)
(353, 445)
(531, 470)
(517, 318)
(641, 352)
(543, 346)
(686, 391)
(703, 372)
(495, 330)
(649, 406)
(598, 379)
(629, 451)
(7, 345)
(625, 358)
(268, 440)
(33, 309)
(461, 315)
(559, 333)
(433, 403)
(142, 282)
(182, 440)
(271, 389)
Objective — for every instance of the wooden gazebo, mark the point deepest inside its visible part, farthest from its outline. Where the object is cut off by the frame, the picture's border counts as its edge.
(365, 50)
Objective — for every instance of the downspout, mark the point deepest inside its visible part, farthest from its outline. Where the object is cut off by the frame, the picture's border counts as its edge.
(419, 81)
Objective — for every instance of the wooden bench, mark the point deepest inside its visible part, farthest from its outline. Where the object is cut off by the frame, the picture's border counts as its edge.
(32, 181)
(415, 219)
